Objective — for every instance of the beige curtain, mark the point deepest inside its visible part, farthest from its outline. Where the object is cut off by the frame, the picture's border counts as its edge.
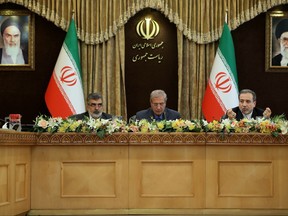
(103, 71)
(100, 27)
(99, 20)
(194, 65)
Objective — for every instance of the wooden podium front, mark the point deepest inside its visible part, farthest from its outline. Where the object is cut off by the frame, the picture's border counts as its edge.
(136, 173)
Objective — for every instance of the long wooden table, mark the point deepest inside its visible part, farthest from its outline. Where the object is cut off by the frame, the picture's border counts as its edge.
(136, 173)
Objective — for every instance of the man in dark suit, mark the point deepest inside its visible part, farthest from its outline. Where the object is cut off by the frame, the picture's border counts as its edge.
(281, 33)
(94, 108)
(247, 107)
(158, 110)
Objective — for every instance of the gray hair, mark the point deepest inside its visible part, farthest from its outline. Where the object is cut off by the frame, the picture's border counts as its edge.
(245, 91)
(94, 96)
(158, 93)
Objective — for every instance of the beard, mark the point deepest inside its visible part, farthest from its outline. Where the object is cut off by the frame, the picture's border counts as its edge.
(284, 51)
(13, 49)
(96, 114)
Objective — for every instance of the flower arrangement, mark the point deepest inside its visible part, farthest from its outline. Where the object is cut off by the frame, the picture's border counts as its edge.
(103, 127)
(213, 126)
(274, 126)
(178, 125)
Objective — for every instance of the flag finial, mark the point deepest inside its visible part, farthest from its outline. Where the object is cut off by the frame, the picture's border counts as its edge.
(226, 16)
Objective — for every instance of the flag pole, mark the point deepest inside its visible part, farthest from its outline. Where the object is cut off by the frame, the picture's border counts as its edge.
(222, 90)
(64, 95)
(73, 14)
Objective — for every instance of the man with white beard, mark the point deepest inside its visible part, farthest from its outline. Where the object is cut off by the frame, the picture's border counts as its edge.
(281, 33)
(11, 53)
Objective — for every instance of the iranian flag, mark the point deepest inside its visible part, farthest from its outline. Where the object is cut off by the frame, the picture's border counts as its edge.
(222, 91)
(64, 95)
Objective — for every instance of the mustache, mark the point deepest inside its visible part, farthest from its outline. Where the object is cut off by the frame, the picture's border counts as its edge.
(97, 112)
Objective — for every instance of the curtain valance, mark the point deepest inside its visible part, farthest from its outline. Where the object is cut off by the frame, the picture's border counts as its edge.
(99, 20)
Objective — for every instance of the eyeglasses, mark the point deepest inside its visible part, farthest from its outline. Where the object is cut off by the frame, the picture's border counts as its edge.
(95, 104)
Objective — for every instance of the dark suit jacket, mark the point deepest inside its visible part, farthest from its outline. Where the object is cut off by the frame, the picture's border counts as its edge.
(82, 116)
(148, 114)
(276, 60)
(256, 112)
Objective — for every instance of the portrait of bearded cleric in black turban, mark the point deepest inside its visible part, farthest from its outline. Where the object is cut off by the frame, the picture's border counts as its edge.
(280, 45)
(14, 40)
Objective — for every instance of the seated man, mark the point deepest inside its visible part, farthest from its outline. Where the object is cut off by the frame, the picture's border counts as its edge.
(94, 108)
(247, 107)
(158, 110)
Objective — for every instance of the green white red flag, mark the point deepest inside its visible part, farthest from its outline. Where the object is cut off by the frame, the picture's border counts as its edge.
(222, 90)
(64, 95)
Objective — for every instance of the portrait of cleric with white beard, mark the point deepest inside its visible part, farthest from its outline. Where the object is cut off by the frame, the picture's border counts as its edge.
(281, 34)
(14, 40)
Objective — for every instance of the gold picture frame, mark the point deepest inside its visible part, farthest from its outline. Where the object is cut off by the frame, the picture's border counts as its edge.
(10, 21)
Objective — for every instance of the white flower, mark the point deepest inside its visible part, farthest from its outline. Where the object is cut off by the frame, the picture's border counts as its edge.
(204, 122)
(283, 126)
(110, 129)
(43, 123)
(54, 122)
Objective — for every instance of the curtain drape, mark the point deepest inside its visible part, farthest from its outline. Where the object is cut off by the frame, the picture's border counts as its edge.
(99, 20)
(103, 71)
(100, 29)
(194, 65)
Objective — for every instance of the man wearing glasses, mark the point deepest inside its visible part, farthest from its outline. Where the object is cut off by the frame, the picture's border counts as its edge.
(94, 108)
(158, 110)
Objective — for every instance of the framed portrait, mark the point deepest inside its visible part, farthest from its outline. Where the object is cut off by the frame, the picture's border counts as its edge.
(17, 40)
(276, 58)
